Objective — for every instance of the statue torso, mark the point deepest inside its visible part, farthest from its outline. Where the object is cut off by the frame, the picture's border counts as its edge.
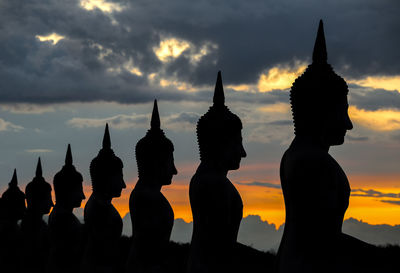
(316, 193)
(152, 221)
(217, 212)
(103, 225)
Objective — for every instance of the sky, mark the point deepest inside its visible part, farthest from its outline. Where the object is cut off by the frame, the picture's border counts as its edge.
(68, 67)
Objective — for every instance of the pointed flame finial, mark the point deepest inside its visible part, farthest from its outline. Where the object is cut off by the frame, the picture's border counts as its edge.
(14, 180)
(219, 97)
(155, 117)
(39, 172)
(68, 156)
(106, 138)
(319, 54)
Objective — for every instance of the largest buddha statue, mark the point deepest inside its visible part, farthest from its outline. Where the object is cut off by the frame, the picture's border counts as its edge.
(315, 188)
(216, 204)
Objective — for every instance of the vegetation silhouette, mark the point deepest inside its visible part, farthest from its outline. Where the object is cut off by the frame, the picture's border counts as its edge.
(66, 231)
(151, 214)
(315, 188)
(217, 207)
(102, 221)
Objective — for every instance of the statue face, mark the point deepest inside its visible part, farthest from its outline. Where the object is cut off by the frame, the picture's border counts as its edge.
(338, 124)
(117, 183)
(77, 196)
(45, 203)
(167, 169)
(233, 152)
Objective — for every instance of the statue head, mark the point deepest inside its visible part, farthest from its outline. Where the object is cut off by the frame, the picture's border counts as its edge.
(68, 184)
(38, 193)
(106, 170)
(319, 99)
(219, 133)
(154, 154)
(14, 200)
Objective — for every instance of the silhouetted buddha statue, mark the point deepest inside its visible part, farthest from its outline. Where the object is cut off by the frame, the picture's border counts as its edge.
(34, 229)
(13, 201)
(65, 228)
(315, 188)
(12, 210)
(103, 222)
(216, 204)
(151, 214)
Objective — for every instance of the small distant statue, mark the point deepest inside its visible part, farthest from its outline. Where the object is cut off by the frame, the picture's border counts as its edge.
(151, 214)
(34, 229)
(12, 210)
(102, 221)
(315, 188)
(66, 231)
(216, 204)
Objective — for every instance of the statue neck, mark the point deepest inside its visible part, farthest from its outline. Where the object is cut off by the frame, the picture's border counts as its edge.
(63, 207)
(213, 167)
(311, 141)
(104, 198)
(145, 183)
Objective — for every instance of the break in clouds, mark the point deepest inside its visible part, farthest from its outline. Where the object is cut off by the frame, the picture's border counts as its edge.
(134, 51)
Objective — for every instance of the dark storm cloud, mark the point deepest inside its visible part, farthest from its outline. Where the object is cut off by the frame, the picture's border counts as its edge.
(250, 36)
(374, 99)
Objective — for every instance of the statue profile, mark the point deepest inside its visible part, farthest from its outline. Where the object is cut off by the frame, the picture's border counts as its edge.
(216, 205)
(65, 228)
(12, 209)
(33, 228)
(315, 188)
(102, 221)
(13, 200)
(151, 214)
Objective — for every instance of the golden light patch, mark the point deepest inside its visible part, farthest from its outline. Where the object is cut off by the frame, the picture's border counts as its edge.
(380, 120)
(242, 87)
(279, 77)
(102, 5)
(276, 108)
(384, 82)
(170, 49)
(54, 38)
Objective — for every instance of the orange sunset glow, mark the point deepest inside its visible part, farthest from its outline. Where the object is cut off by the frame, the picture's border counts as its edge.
(269, 204)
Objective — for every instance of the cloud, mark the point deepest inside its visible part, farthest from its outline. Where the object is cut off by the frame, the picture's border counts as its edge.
(356, 138)
(8, 126)
(107, 53)
(373, 193)
(24, 108)
(38, 151)
(394, 202)
(379, 120)
(184, 121)
(260, 184)
(117, 122)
